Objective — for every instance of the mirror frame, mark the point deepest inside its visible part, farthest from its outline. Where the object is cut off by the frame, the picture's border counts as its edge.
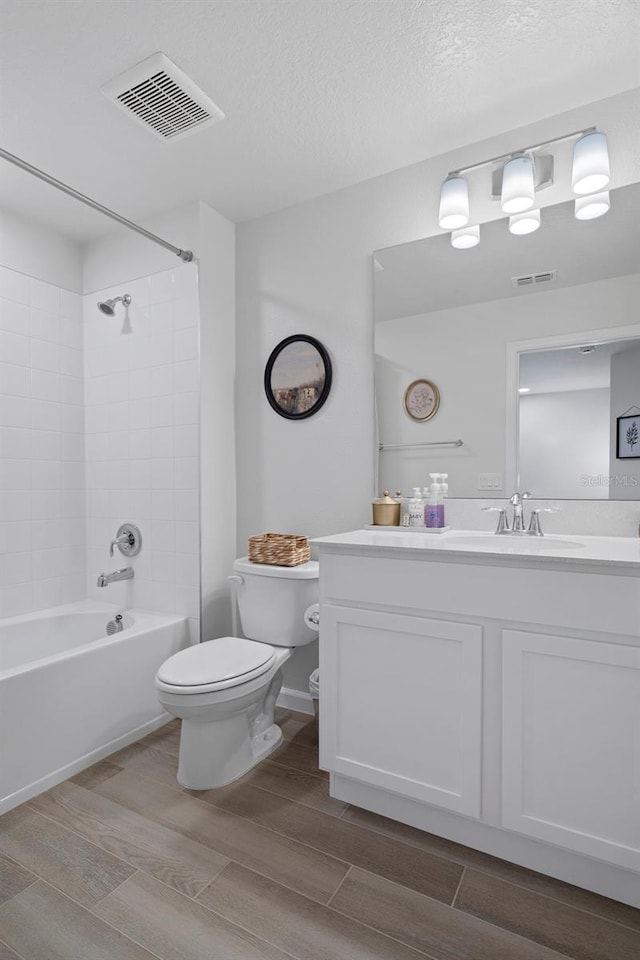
(514, 349)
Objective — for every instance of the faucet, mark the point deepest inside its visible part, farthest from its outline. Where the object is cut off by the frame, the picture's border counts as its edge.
(104, 579)
(518, 512)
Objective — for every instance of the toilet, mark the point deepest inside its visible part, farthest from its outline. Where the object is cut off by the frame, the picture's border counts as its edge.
(225, 690)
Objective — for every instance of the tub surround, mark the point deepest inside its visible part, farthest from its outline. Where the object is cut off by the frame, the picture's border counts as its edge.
(509, 671)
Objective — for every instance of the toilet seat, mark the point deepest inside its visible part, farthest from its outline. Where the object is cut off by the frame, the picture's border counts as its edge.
(215, 665)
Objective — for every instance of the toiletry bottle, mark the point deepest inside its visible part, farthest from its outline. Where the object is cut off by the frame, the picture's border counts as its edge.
(444, 485)
(434, 510)
(416, 515)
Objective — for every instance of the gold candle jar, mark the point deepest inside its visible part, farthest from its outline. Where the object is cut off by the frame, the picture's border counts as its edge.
(386, 511)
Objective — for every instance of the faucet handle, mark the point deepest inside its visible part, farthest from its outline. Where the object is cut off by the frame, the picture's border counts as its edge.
(503, 523)
(534, 523)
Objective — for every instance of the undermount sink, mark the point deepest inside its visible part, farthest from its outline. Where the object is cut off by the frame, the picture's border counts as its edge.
(510, 543)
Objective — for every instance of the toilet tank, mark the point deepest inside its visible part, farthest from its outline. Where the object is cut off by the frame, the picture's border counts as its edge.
(272, 601)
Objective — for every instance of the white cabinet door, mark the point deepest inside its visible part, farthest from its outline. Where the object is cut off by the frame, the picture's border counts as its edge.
(401, 704)
(571, 743)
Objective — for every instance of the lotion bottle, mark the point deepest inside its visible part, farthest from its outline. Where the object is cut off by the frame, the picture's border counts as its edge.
(434, 510)
(416, 507)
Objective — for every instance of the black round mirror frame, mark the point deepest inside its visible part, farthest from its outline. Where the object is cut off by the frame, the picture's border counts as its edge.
(326, 387)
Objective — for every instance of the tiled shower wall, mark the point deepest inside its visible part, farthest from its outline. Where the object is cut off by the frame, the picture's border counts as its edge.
(42, 531)
(142, 441)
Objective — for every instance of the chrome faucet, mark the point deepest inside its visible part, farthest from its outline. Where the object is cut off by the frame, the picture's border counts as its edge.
(104, 579)
(518, 525)
(518, 511)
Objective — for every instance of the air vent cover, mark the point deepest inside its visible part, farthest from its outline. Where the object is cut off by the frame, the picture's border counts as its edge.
(531, 278)
(159, 95)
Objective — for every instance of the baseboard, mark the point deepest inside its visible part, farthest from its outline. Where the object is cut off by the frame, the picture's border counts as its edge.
(70, 769)
(296, 700)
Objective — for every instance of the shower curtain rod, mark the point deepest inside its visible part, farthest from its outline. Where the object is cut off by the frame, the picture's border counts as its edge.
(186, 255)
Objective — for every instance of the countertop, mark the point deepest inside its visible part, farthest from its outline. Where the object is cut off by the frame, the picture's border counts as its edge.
(619, 553)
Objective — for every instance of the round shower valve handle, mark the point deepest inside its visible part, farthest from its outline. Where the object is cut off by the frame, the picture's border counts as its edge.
(128, 540)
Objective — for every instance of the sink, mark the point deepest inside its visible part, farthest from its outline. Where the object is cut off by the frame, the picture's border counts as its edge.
(512, 543)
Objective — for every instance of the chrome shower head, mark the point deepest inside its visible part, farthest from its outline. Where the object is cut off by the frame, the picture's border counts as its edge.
(108, 307)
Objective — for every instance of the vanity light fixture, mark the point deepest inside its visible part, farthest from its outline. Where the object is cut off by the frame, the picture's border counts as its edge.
(517, 176)
(518, 186)
(466, 237)
(590, 171)
(523, 223)
(454, 203)
(593, 206)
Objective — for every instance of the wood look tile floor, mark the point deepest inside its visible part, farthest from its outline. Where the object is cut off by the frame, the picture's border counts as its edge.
(121, 863)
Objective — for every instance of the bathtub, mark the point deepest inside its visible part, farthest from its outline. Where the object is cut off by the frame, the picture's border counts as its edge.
(71, 695)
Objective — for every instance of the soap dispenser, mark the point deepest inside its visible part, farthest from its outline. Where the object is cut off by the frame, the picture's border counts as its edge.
(434, 510)
(416, 509)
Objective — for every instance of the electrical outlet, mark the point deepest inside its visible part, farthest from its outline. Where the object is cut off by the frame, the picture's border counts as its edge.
(490, 481)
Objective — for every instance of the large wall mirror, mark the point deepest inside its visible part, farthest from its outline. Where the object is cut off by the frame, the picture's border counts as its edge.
(534, 345)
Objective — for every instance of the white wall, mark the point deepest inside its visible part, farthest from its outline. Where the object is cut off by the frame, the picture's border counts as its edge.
(564, 444)
(37, 251)
(211, 237)
(142, 441)
(308, 270)
(216, 249)
(41, 439)
(468, 365)
(625, 397)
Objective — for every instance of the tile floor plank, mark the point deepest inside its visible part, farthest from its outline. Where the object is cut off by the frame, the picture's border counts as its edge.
(485, 863)
(96, 774)
(40, 923)
(295, 785)
(435, 928)
(6, 953)
(304, 929)
(417, 869)
(298, 727)
(172, 927)
(13, 878)
(305, 759)
(293, 864)
(175, 860)
(580, 935)
(150, 760)
(78, 868)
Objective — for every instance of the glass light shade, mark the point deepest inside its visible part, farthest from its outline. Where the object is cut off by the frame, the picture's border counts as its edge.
(454, 203)
(522, 223)
(595, 205)
(466, 237)
(590, 163)
(518, 185)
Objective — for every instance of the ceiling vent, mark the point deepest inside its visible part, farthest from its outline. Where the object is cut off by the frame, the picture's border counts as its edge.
(532, 278)
(162, 98)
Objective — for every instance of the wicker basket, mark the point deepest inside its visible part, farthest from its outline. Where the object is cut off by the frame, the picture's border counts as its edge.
(279, 549)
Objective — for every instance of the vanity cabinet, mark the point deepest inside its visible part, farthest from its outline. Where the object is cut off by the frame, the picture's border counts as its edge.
(571, 743)
(493, 701)
(403, 710)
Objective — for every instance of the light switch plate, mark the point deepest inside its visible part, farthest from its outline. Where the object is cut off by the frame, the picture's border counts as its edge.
(489, 481)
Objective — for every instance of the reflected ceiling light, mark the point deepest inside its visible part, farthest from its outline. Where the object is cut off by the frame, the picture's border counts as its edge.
(523, 223)
(518, 184)
(590, 170)
(466, 237)
(595, 205)
(524, 389)
(454, 203)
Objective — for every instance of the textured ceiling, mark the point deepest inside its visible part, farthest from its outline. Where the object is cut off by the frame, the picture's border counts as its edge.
(319, 94)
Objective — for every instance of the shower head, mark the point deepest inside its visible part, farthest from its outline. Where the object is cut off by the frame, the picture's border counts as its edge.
(108, 307)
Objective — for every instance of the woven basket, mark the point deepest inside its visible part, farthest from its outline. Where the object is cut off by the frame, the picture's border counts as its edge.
(279, 549)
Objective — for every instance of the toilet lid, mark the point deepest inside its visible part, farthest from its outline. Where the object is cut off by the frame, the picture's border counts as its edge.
(226, 660)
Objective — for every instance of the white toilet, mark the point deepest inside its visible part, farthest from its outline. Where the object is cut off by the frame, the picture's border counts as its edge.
(225, 690)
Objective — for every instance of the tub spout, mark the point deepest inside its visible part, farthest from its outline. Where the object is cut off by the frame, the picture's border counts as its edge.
(104, 579)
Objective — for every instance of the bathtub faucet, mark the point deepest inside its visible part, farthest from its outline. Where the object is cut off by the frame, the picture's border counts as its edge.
(104, 579)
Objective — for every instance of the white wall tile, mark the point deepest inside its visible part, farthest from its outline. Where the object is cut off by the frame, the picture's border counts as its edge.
(15, 381)
(45, 356)
(185, 375)
(44, 296)
(14, 317)
(16, 412)
(186, 407)
(45, 326)
(14, 286)
(161, 381)
(14, 348)
(46, 385)
(46, 415)
(186, 344)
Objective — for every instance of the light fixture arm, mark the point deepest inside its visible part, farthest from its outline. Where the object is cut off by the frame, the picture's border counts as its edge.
(526, 150)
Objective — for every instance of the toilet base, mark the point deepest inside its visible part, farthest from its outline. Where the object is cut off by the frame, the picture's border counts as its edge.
(213, 755)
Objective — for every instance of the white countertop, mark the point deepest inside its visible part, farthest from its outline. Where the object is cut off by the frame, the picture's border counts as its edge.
(619, 552)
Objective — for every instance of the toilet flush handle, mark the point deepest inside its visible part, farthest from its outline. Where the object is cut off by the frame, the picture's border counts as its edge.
(236, 578)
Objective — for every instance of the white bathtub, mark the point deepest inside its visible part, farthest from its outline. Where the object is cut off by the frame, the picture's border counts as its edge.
(70, 695)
